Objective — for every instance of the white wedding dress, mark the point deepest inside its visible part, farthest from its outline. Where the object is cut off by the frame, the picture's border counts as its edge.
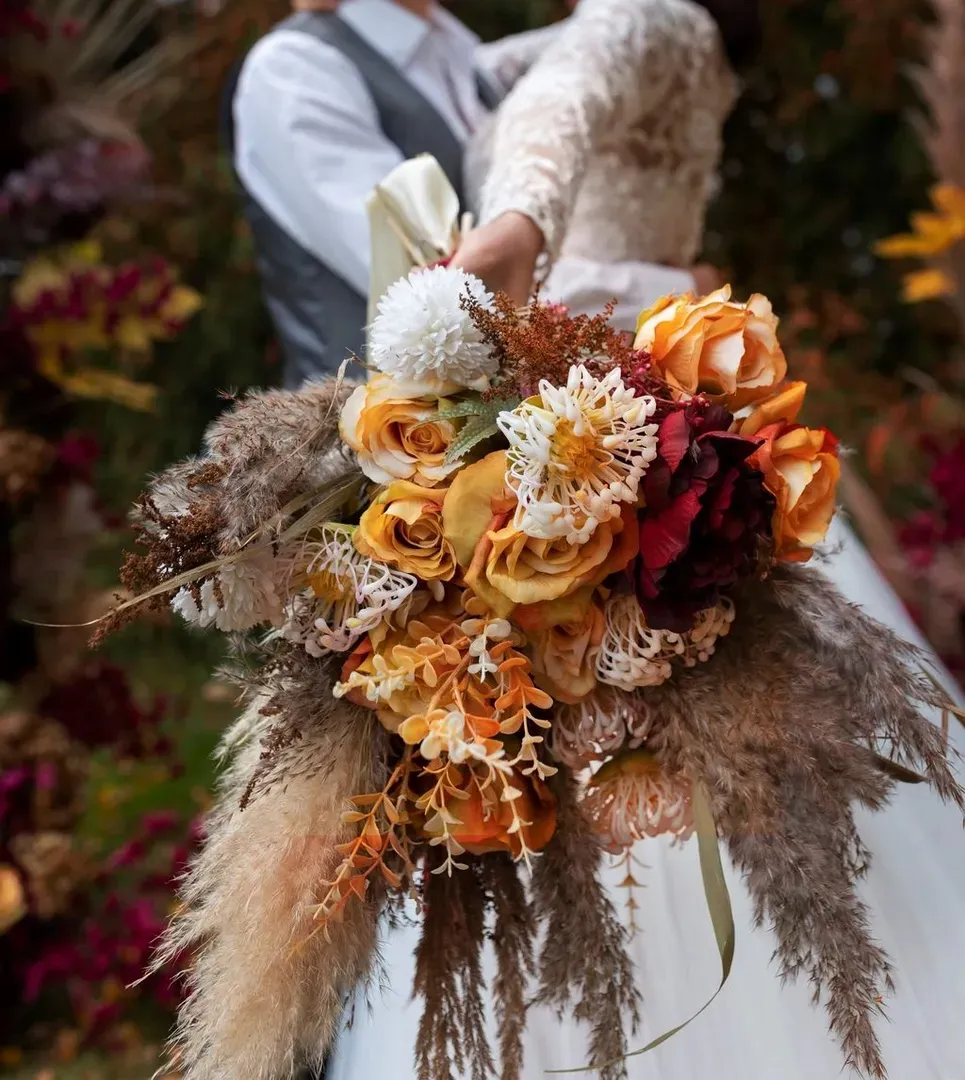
(611, 143)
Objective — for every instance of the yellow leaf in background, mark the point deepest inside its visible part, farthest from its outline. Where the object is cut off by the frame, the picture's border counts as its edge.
(926, 285)
(13, 900)
(85, 253)
(949, 199)
(109, 386)
(133, 333)
(182, 303)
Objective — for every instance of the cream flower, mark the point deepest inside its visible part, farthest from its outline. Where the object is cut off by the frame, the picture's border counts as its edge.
(346, 594)
(633, 797)
(634, 655)
(596, 727)
(243, 594)
(423, 331)
(392, 425)
(576, 453)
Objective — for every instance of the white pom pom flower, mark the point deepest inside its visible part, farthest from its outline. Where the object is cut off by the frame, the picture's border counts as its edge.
(422, 331)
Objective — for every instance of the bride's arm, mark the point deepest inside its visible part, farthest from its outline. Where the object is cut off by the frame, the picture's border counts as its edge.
(613, 62)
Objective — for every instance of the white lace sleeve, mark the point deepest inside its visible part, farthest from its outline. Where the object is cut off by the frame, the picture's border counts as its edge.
(506, 61)
(612, 63)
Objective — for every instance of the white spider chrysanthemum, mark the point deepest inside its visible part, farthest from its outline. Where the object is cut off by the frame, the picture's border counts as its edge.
(346, 594)
(422, 330)
(633, 654)
(577, 454)
(243, 594)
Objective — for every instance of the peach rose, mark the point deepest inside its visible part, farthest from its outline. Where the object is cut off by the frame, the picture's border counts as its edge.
(714, 345)
(801, 470)
(505, 567)
(483, 820)
(564, 652)
(403, 527)
(391, 425)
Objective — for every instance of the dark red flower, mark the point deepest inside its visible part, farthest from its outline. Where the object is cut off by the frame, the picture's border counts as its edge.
(706, 515)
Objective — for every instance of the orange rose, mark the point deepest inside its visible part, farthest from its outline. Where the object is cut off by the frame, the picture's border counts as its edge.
(714, 345)
(403, 527)
(504, 566)
(801, 470)
(564, 650)
(483, 819)
(392, 427)
(782, 408)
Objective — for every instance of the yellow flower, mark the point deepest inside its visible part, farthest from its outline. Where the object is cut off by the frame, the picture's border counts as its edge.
(13, 900)
(391, 425)
(928, 284)
(782, 408)
(403, 527)
(564, 651)
(801, 470)
(504, 566)
(714, 345)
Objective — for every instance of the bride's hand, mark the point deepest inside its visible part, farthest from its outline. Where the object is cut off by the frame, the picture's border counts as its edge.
(314, 5)
(503, 253)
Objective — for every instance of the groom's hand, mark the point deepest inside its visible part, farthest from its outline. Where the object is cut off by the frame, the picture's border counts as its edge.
(503, 253)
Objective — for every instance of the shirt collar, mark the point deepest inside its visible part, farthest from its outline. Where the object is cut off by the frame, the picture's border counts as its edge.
(396, 32)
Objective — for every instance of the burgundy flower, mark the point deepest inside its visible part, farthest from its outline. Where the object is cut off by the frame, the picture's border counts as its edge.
(706, 515)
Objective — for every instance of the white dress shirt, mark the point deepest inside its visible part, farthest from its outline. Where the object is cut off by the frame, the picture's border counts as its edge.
(309, 148)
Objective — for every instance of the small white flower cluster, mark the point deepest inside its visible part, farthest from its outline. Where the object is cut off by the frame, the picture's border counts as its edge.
(346, 594)
(243, 594)
(422, 330)
(578, 454)
(634, 655)
(343, 595)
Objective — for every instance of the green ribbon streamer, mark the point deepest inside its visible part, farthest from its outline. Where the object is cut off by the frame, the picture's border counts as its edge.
(721, 916)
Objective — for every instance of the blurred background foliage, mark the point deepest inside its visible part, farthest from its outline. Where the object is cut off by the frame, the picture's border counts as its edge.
(824, 158)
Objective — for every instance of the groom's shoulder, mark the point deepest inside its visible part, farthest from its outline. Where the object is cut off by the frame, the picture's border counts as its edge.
(293, 47)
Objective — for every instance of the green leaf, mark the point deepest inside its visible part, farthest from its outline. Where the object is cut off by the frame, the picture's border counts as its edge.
(480, 423)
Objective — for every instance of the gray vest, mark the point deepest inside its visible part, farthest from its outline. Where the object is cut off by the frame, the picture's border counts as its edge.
(319, 317)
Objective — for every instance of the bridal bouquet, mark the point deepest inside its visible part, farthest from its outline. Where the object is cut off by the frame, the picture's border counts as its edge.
(530, 592)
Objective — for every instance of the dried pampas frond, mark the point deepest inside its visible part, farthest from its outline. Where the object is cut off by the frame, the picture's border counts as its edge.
(86, 84)
(584, 968)
(783, 730)
(941, 83)
(274, 446)
(267, 990)
(452, 1040)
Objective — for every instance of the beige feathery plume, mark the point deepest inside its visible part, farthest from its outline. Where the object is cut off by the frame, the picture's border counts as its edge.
(267, 989)
(941, 83)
